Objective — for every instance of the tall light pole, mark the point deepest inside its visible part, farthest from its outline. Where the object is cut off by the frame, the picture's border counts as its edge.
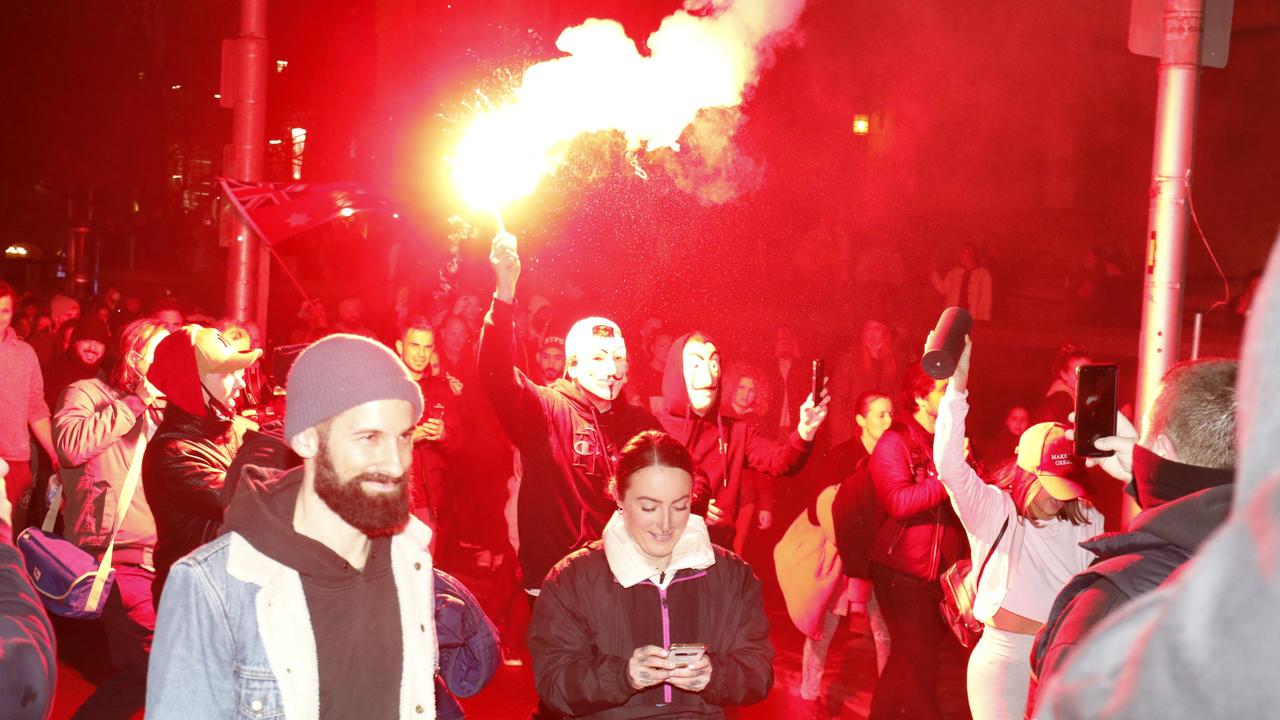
(245, 91)
(1167, 220)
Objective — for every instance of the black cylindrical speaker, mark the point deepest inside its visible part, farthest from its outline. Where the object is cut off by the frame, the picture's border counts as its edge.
(943, 351)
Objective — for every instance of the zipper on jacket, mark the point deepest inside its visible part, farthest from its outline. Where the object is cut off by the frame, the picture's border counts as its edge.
(935, 560)
(666, 637)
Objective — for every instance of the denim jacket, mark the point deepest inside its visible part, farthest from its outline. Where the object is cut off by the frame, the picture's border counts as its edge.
(234, 639)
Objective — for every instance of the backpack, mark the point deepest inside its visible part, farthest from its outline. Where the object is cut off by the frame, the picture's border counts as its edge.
(857, 516)
(857, 512)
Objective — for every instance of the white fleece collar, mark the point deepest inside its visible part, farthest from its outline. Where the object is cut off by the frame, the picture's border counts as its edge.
(631, 567)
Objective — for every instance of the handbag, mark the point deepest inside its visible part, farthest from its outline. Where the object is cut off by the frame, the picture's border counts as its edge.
(958, 595)
(809, 571)
(70, 582)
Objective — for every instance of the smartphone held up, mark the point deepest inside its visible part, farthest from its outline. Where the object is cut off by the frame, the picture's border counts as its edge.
(819, 380)
(1095, 407)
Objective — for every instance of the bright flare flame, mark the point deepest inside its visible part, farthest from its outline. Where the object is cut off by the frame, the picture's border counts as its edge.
(604, 83)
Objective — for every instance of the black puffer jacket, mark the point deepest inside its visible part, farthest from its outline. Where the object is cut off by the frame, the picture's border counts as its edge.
(921, 535)
(182, 475)
(1161, 539)
(585, 627)
(567, 449)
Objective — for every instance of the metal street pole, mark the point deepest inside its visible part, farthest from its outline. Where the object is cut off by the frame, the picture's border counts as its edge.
(248, 128)
(1167, 226)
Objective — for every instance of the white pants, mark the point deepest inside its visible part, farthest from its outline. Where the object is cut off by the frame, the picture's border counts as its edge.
(999, 675)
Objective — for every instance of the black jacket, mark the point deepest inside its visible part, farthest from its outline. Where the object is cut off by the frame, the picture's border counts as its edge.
(1130, 564)
(722, 445)
(183, 472)
(921, 535)
(585, 627)
(567, 450)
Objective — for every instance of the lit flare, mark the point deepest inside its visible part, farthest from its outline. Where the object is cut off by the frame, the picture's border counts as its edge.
(704, 56)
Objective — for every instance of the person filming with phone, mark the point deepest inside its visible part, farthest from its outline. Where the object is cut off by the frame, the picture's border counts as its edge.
(1181, 472)
(437, 436)
(1024, 531)
(652, 620)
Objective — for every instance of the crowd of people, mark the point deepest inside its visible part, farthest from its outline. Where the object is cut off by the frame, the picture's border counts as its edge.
(279, 519)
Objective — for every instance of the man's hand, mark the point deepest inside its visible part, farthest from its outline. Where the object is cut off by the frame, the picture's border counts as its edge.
(765, 519)
(647, 667)
(811, 416)
(694, 678)
(1119, 465)
(433, 430)
(715, 515)
(506, 265)
(429, 431)
(149, 394)
(454, 384)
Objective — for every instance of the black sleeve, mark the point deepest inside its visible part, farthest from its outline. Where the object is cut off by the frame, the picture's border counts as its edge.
(571, 675)
(515, 400)
(776, 458)
(1057, 641)
(743, 673)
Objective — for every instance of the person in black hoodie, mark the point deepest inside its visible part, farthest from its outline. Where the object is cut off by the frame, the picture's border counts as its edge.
(723, 446)
(186, 461)
(1181, 473)
(89, 341)
(568, 433)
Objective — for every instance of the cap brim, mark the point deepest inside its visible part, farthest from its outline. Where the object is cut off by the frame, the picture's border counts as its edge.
(1063, 488)
(234, 362)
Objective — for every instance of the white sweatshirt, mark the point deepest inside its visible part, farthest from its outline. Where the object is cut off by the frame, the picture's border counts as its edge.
(983, 508)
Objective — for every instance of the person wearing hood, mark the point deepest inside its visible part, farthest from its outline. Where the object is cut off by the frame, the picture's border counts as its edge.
(604, 634)
(1180, 471)
(1204, 643)
(567, 433)
(722, 445)
(82, 360)
(318, 598)
(185, 464)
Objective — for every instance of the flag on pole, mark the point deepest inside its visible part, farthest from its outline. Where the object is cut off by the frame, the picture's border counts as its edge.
(277, 211)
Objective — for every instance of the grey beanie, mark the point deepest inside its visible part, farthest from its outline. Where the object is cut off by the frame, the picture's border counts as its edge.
(339, 372)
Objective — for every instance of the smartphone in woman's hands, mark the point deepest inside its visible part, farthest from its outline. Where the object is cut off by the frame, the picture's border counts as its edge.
(686, 654)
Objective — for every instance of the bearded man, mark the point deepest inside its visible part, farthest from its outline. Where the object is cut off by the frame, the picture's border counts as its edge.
(317, 601)
(568, 433)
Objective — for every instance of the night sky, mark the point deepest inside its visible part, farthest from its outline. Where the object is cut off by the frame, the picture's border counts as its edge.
(1025, 128)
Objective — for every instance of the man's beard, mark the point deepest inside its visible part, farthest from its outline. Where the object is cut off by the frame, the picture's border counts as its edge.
(377, 515)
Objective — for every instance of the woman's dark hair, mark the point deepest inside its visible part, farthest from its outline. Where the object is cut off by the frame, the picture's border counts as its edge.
(1018, 483)
(729, 386)
(862, 405)
(915, 385)
(1066, 353)
(651, 448)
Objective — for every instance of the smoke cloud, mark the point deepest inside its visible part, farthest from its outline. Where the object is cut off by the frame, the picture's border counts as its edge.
(707, 55)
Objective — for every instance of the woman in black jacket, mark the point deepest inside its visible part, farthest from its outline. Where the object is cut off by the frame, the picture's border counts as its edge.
(609, 613)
